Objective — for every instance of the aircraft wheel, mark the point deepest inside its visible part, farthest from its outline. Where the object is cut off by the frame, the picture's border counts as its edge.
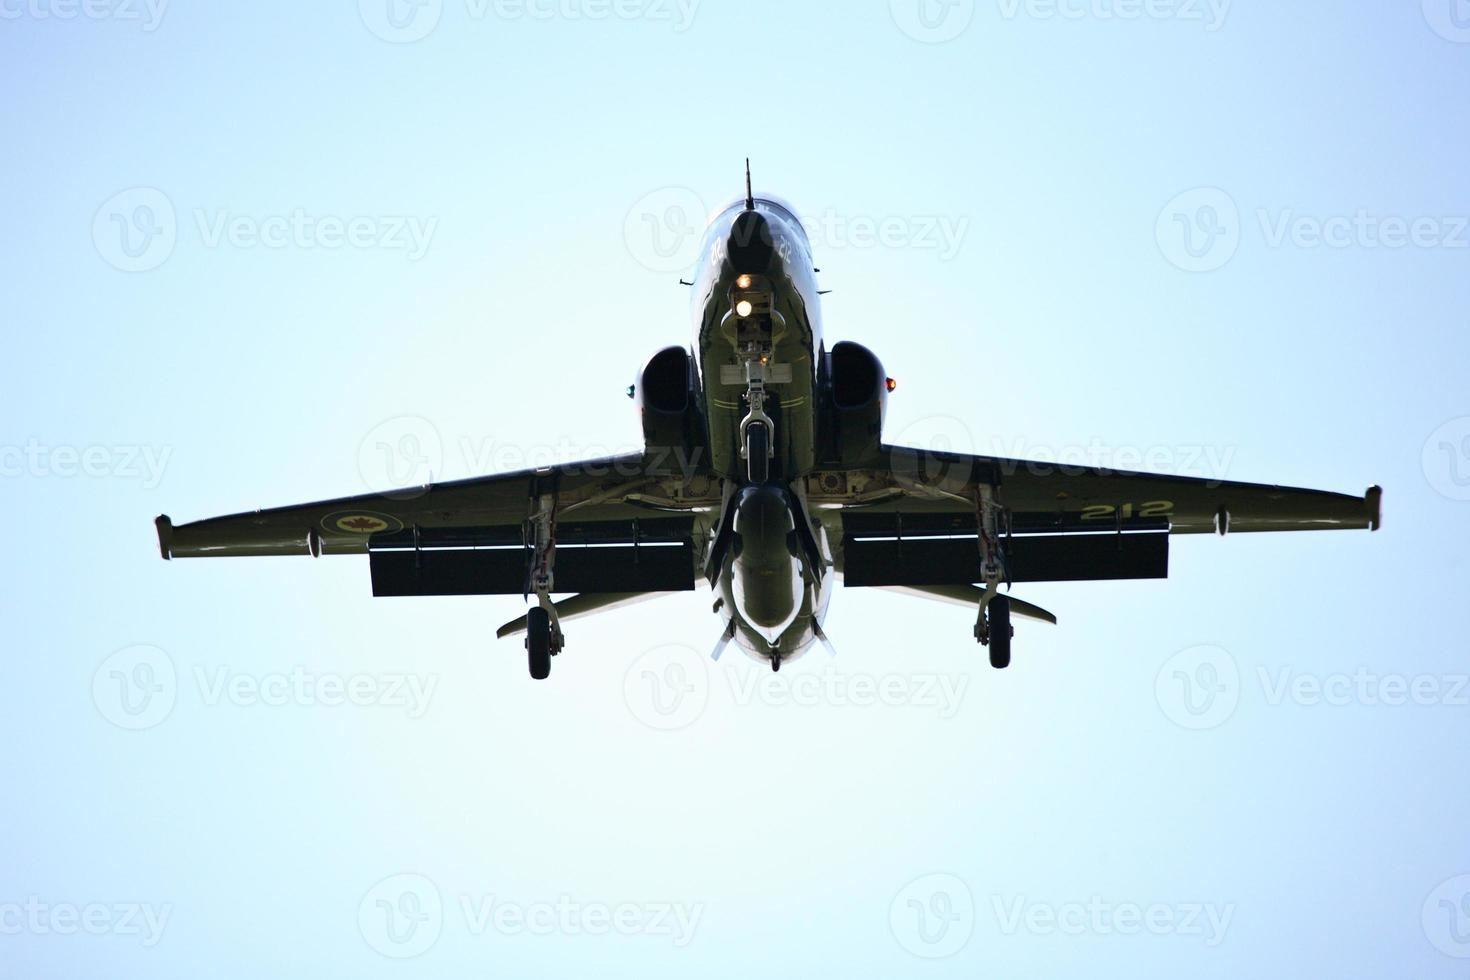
(538, 642)
(998, 614)
(757, 448)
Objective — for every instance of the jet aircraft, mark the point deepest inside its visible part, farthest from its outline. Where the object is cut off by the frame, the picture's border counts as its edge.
(764, 474)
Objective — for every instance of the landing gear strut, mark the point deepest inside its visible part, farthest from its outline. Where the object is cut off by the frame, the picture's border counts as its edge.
(544, 638)
(993, 624)
(753, 325)
(758, 452)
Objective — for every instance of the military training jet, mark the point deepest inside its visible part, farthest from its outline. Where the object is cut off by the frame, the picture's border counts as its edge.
(764, 473)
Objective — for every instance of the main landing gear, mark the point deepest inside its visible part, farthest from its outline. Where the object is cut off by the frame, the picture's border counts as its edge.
(544, 638)
(998, 622)
(538, 642)
(993, 625)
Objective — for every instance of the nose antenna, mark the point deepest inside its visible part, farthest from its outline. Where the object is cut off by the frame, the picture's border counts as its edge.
(749, 197)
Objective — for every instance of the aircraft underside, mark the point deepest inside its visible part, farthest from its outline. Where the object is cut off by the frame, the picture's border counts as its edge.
(764, 475)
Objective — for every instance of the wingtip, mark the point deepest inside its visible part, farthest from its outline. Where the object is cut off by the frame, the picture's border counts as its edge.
(1374, 500)
(165, 536)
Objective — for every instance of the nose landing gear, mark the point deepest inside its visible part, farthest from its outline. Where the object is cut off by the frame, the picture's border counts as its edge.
(758, 452)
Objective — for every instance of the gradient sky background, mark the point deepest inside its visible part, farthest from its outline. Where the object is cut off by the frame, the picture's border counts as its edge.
(1142, 755)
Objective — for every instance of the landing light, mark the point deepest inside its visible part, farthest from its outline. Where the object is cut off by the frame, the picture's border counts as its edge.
(743, 282)
(743, 308)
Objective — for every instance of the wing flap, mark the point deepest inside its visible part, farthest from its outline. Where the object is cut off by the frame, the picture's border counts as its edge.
(502, 571)
(1032, 558)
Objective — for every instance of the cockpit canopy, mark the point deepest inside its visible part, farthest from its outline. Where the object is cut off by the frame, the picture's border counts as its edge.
(770, 204)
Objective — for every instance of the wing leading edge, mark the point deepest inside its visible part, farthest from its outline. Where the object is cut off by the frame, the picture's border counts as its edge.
(913, 522)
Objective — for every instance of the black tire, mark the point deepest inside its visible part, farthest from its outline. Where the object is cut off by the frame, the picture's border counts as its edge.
(757, 447)
(998, 614)
(538, 642)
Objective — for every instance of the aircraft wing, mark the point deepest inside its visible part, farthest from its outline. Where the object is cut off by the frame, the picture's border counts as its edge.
(911, 519)
(624, 524)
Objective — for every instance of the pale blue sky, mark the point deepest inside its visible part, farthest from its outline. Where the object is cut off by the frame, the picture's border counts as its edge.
(451, 241)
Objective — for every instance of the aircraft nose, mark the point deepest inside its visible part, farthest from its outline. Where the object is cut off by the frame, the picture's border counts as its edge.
(751, 247)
